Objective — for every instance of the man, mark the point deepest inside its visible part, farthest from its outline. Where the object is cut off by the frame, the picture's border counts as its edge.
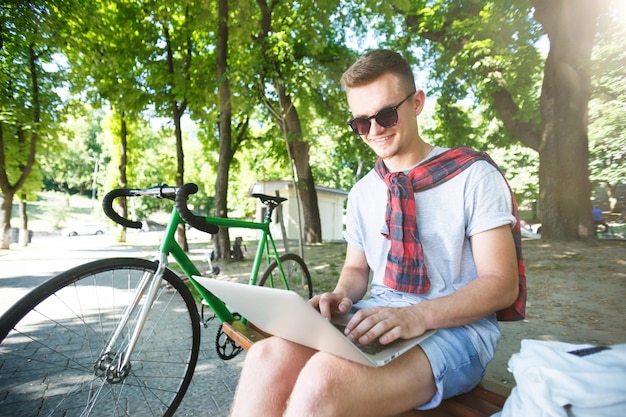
(598, 219)
(464, 271)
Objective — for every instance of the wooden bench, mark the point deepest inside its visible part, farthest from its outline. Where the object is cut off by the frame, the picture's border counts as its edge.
(483, 401)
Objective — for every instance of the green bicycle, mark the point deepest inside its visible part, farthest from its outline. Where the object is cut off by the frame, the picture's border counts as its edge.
(120, 336)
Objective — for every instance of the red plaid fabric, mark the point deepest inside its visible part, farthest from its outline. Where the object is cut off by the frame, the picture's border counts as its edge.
(406, 270)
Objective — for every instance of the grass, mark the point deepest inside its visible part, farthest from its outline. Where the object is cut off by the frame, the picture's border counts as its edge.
(54, 210)
(324, 261)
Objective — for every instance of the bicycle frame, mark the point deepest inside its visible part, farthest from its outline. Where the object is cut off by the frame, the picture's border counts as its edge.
(169, 246)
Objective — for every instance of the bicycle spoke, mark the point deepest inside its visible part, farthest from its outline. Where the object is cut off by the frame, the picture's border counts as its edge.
(53, 361)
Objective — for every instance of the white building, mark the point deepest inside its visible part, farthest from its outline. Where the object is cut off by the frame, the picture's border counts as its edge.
(330, 201)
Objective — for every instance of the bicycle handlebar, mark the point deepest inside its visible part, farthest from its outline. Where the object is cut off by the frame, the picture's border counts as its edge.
(163, 191)
(197, 222)
(107, 206)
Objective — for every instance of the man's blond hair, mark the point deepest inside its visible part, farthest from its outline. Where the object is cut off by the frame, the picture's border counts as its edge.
(376, 63)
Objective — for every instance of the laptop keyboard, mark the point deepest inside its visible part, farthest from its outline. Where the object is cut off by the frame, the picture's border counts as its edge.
(371, 348)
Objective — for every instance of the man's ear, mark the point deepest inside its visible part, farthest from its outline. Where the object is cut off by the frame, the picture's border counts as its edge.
(419, 100)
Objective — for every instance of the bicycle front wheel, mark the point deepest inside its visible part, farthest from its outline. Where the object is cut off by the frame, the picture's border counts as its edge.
(297, 276)
(53, 355)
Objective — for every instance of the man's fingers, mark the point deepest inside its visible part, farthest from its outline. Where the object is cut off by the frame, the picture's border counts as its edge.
(329, 303)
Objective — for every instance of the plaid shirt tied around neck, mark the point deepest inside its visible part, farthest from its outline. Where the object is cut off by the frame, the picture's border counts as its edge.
(406, 269)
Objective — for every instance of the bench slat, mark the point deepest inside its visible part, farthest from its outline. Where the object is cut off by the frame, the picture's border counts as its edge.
(479, 402)
(244, 334)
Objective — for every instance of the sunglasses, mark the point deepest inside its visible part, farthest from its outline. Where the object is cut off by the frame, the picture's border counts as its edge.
(386, 117)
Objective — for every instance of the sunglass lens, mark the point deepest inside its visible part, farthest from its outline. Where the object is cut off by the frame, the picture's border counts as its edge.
(361, 126)
(387, 117)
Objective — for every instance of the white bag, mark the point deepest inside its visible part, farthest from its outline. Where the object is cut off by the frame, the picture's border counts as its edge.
(552, 382)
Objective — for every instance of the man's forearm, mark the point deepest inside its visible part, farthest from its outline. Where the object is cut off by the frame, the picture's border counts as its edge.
(478, 299)
(352, 284)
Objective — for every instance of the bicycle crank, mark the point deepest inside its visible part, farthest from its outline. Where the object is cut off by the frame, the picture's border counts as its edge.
(226, 347)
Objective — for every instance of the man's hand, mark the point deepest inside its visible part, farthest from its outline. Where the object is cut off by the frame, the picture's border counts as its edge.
(385, 324)
(331, 303)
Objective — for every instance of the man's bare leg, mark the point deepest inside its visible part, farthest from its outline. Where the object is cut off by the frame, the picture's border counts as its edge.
(270, 372)
(331, 386)
(283, 377)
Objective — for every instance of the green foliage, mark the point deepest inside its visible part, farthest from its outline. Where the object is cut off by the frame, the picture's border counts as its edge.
(607, 138)
(105, 48)
(520, 166)
(70, 163)
(115, 57)
(59, 210)
(28, 111)
(470, 50)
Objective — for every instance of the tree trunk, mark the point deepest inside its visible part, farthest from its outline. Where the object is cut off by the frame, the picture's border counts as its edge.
(281, 221)
(299, 151)
(122, 170)
(611, 191)
(23, 236)
(8, 189)
(6, 208)
(222, 239)
(307, 192)
(178, 111)
(288, 119)
(565, 196)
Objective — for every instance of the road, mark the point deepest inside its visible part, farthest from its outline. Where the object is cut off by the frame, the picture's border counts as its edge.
(21, 269)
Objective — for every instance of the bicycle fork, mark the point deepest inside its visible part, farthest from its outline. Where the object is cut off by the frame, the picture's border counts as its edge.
(116, 366)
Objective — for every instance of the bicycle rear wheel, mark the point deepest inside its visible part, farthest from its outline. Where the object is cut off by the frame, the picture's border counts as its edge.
(296, 273)
(52, 343)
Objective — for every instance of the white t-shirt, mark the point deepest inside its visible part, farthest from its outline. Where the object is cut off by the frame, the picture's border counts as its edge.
(476, 200)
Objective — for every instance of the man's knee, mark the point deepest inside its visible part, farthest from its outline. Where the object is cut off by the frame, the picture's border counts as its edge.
(324, 370)
(265, 350)
(319, 387)
(277, 355)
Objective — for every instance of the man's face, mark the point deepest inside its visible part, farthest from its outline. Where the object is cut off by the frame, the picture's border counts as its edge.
(365, 101)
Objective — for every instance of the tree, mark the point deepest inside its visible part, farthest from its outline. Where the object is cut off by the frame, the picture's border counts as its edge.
(106, 59)
(565, 195)
(69, 163)
(28, 102)
(226, 146)
(606, 110)
(294, 41)
(170, 67)
(487, 51)
(275, 55)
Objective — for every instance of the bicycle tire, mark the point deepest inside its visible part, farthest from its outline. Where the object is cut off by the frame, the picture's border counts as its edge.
(297, 274)
(52, 339)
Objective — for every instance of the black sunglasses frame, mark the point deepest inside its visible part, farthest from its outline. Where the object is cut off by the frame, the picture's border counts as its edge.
(353, 123)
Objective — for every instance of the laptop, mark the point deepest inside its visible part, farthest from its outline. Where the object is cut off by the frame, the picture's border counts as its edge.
(286, 314)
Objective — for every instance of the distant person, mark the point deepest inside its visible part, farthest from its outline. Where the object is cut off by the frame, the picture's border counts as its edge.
(598, 219)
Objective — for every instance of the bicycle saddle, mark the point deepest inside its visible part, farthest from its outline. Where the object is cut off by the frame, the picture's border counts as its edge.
(269, 199)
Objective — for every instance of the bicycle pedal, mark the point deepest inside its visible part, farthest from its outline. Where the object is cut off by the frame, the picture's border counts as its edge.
(205, 322)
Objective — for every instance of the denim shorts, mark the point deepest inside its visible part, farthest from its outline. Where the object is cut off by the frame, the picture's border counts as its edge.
(453, 358)
(455, 364)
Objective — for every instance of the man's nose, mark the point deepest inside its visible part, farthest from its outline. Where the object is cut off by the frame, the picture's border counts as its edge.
(375, 128)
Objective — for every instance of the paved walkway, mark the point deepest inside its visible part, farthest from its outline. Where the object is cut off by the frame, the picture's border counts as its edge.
(21, 269)
(213, 384)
